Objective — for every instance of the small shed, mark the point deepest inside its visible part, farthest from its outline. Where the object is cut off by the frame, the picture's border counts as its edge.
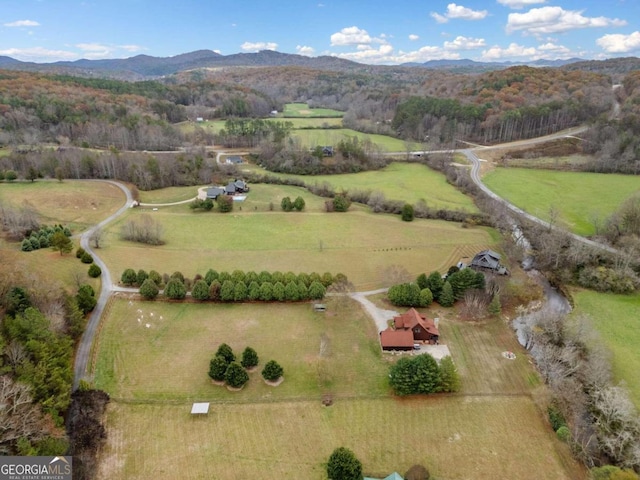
(319, 307)
(200, 408)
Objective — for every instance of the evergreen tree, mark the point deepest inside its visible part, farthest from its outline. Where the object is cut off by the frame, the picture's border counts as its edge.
(435, 284)
(129, 277)
(149, 289)
(317, 291)
(227, 291)
(446, 298)
(278, 292)
(249, 358)
(291, 292)
(94, 271)
(426, 297)
(200, 291)
(495, 307)
(60, 243)
(344, 465)
(217, 368)
(266, 292)
(175, 289)
(236, 376)
(272, 371)
(449, 378)
(254, 291)
(141, 276)
(225, 351)
(239, 292)
(214, 291)
(422, 281)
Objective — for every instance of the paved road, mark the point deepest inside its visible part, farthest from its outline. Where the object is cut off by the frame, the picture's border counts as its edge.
(84, 347)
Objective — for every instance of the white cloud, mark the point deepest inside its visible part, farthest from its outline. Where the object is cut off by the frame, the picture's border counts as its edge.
(350, 36)
(132, 48)
(518, 4)
(464, 43)
(305, 50)
(22, 23)
(38, 54)
(547, 51)
(618, 43)
(413, 37)
(546, 20)
(455, 11)
(257, 46)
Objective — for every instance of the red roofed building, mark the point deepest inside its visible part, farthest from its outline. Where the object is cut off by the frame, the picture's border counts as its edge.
(410, 327)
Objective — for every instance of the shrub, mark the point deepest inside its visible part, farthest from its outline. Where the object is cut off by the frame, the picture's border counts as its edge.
(149, 289)
(341, 203)
(407, 213)
(299, 204)
(286, 204)
(144, 229)
(417, 472)
(272, 371)
(86, 258)
(564, 433)
(225, 204)
(214, 291)
(236, 376)
(249, 358)
(94, 271)
(79, 252)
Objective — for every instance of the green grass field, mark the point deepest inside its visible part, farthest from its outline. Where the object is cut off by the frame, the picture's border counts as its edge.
(169, 195)
(314, 137)
(408, 182)
(153, 373)
(615, 317)
(359, 244)
(302, 110)
(579, 198)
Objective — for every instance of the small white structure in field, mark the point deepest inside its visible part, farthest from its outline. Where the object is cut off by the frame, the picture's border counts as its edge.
(200, 408)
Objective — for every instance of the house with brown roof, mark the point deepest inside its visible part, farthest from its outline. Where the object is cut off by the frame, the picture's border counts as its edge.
(409, 328)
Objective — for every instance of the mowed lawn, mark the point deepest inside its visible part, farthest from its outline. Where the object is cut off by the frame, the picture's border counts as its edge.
(303, 110)
(578, 197)
(493, 430)
(359, 244)
(313, 137)
(408, 182)
(78, 204)
(615, 317)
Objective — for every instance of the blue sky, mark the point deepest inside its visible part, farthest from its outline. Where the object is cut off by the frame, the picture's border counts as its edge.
(366, 31)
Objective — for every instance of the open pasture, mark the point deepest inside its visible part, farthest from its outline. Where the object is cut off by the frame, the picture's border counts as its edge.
(168, 195)
(161, 351)
(615, 318)
(302, 110)
(76, 203)
(580, 199)
(409, 182)
(455, 437)
(314, 137)
(153, 373)
(359, 244)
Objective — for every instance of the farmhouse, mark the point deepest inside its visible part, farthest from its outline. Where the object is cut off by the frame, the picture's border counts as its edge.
(237, 186)
(233, 160)
(489, 260)
(214, 192)
(409, 328)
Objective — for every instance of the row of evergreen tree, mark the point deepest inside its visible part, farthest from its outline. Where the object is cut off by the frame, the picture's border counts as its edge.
(224, 367)
(42, 238)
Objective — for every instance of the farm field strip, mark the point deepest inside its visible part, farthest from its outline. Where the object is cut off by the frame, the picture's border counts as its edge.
(398, 181)
(457, 437)
(615, 318)
(579, 198)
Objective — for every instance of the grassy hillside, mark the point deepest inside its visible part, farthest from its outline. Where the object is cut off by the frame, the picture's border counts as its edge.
(579, 198)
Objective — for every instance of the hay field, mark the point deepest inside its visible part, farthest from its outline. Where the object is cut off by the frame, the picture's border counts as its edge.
(493, 430)
(578, 197)
(408, 182)
(359, 244)
(76, 203)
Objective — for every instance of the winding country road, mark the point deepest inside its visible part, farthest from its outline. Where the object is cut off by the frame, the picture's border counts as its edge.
(84, 347)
